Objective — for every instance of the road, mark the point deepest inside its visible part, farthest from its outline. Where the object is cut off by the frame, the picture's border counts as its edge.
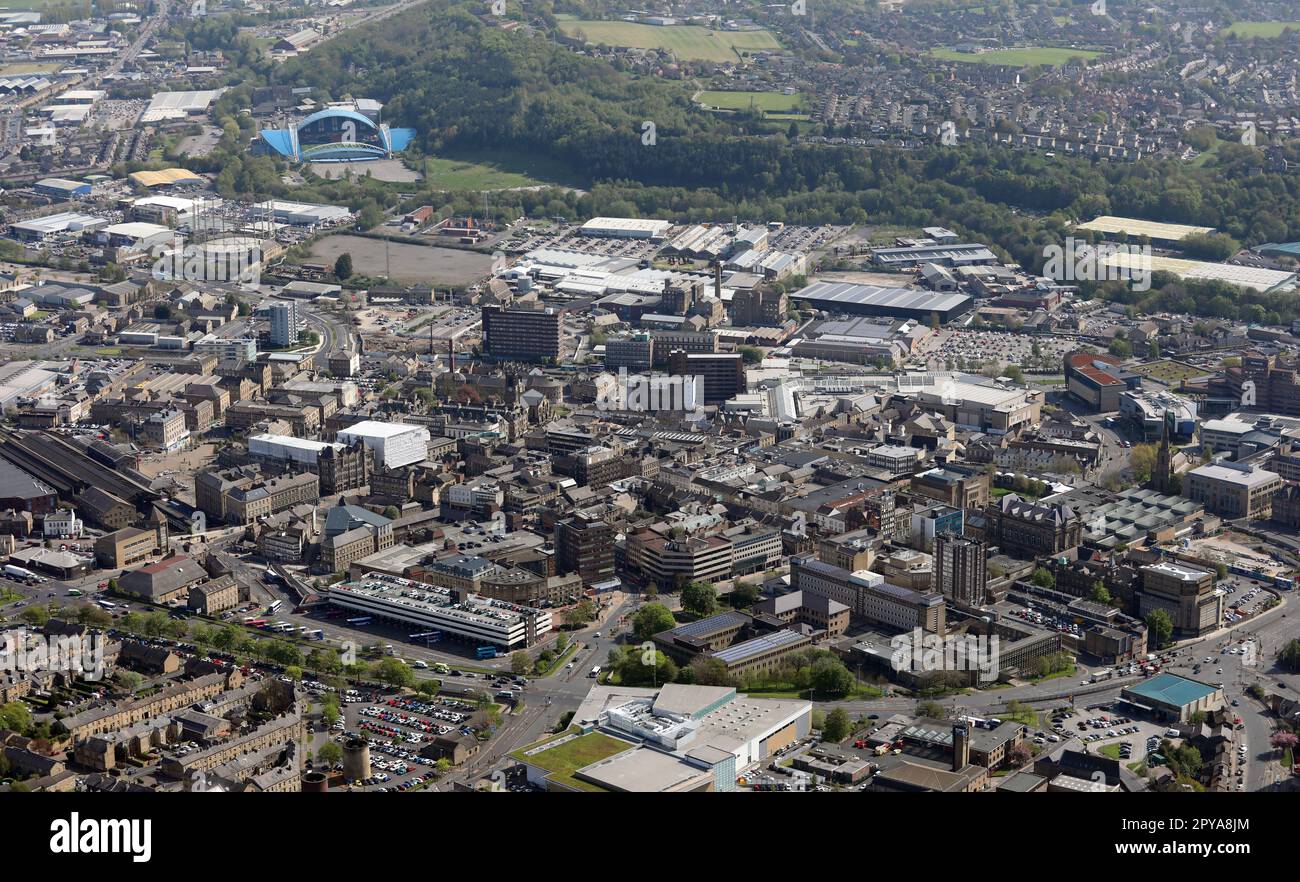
(547, 699)
(334, 334)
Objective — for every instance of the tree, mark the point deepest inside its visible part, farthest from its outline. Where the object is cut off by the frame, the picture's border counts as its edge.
(1159, 628)
(1289, 655)
(343, 267)
(653, 668)
(1284, 740)
(394, 672)
(520, 662)
(1021, 754)
(35, 615)
(837, 726)
(16, 716)
(329, 753)
(699, 598)
(743, 594)
(707, 671)
(651, 619)
(581, 613)
(829, 678)
(1142, 460)
(392, 513)
(1043, 578)
(1099, 593)
(932, 709)
(324, 661)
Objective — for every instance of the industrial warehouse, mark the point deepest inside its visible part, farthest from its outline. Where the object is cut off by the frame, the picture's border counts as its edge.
(854, 299)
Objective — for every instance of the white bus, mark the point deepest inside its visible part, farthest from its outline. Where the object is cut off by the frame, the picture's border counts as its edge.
(594, 671)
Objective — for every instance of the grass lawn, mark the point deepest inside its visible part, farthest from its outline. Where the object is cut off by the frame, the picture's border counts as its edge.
(1266, 29)
(1110, 750)
(26, 67)
(561, 762)
(772, 102)
(687, 42)
(1026, 716)
(492, 171)
(1068, 672)
(1170, 372)
(559, 662)
(783, 690)
(1046, 55)
(32, 5)
(1207, 155)
(999, 492)
(108, 351)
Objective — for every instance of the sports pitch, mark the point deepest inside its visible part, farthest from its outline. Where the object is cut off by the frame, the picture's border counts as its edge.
(687, 42)
(1046, 56)
(1266, 29)
(771, 102)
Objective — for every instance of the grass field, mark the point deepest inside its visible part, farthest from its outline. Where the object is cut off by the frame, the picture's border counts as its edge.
(1046, 56)
(687, 42)
(578, 753)
(496, 170)
(771, 102)
(1266, 29)
(456, 174)
(26, 67)
(33, 5)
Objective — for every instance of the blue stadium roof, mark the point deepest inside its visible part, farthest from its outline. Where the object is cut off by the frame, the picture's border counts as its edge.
(338, 111)
(284, 142)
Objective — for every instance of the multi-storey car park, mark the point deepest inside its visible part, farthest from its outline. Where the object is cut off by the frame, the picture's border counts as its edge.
(480, 620)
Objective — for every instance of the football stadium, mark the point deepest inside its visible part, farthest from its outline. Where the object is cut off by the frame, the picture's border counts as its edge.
(336, 134)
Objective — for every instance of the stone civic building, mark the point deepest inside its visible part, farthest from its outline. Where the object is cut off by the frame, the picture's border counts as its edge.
(1031, 529)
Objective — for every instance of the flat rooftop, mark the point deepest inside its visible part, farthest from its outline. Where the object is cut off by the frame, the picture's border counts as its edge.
(377, 429)
(739, 652)
(1248, 477)
(1173, 690)
(1112, 225)
(564, 755)
(642, 770)
(876, 296)
(421, 597)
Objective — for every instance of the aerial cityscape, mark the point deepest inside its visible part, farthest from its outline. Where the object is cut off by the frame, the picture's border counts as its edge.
(448, 396)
